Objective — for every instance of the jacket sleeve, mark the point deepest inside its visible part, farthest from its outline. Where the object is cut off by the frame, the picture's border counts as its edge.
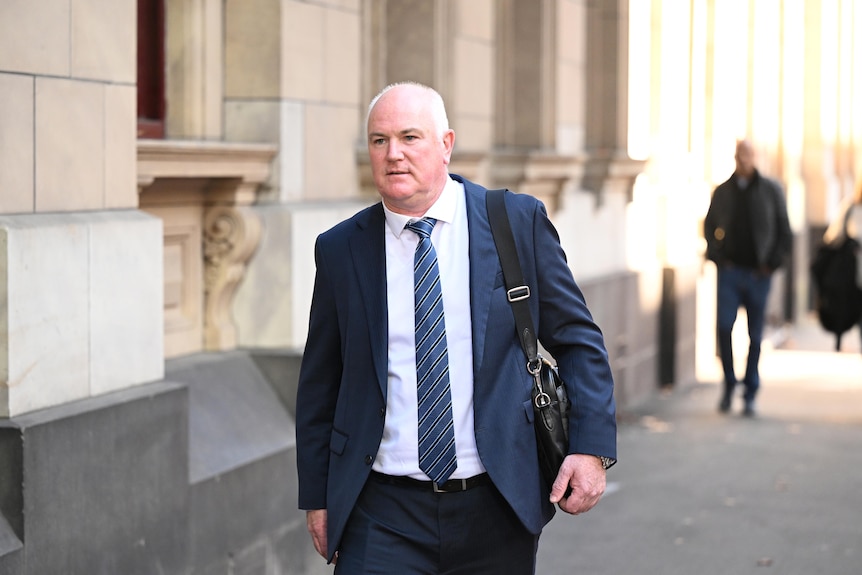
(567, 330)
(783, 234)
(317, 389)
(711, 224)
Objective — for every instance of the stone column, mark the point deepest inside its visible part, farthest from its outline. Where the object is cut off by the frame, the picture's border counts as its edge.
(292, 78)
(608, 165)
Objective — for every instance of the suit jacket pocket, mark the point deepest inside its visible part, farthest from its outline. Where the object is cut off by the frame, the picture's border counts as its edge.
(528, 411)
(337, 442)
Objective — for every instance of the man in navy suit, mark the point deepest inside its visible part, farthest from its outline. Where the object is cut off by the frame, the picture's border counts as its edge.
(370, 506)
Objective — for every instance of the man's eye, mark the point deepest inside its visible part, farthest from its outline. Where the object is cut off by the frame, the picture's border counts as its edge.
(378, 141)
(410, 137)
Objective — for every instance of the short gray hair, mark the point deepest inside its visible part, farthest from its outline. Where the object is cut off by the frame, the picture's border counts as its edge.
(438, 107)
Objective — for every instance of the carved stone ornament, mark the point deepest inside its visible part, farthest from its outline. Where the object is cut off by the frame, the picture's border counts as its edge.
(231, 235)
(203, 191)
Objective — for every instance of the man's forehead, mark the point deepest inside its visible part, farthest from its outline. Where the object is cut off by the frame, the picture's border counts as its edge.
(399, 120)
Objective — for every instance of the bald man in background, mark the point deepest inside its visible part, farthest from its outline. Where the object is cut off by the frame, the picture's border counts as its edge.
(748, 237)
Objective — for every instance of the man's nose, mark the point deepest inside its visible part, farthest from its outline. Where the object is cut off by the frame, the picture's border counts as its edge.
(393, 150)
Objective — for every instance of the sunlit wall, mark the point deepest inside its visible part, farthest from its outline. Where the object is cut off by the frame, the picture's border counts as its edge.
(703, 73)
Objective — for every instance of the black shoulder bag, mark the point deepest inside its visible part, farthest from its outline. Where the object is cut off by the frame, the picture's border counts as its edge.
(551, 404)
(838, 298)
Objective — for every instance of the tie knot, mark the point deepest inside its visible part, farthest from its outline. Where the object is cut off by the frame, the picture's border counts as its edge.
(422, 227)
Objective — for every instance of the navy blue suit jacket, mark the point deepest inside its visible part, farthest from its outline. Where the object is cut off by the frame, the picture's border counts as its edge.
(342, 387)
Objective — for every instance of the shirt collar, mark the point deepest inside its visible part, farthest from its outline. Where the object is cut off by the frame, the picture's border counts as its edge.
(745, 183)
(443, 210)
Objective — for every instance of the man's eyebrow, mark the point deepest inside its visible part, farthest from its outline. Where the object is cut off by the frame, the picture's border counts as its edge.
(403, 132)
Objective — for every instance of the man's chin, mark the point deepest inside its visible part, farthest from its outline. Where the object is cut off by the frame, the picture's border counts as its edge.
(405, 200)
(397, 188)
(398, 180)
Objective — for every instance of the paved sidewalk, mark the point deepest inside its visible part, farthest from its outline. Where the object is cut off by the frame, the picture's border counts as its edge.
(697, 492)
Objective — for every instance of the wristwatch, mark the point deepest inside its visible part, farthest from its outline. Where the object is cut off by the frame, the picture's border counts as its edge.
(607, 462)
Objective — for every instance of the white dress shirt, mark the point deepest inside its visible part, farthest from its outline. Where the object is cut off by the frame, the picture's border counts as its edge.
(398, 453)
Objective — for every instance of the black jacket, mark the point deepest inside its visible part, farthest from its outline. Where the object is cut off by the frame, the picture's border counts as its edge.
(768, 212)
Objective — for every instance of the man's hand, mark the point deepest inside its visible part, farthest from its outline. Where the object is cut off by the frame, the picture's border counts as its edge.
(316, 521)
(586, 476)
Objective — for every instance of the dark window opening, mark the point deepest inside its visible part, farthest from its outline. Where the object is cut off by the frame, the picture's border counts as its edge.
(151, 66)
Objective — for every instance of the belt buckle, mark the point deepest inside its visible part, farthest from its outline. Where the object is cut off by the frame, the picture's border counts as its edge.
(438, 489)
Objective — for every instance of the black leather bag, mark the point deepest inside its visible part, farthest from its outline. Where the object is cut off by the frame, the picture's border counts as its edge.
(551, 404)
(551, 408)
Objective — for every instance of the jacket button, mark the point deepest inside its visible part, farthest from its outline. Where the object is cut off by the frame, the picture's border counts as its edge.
(369, 460)
(382, 411)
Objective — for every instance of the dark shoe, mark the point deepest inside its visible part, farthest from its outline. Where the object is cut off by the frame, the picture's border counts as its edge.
(748, 411)
(724, 406)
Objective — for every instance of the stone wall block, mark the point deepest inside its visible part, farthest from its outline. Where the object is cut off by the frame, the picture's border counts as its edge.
(82, 306)
(276, 122)
(241, 461)
(290, 172)
(288, 237)
(16, 142)
(475, 19)
(105, 484)
(97, 25)
(331, 133)
(69, 145)
(341, 59)
(126, 300)
(24, 21)
(120, 147)
(302, 52)
(253, 48)
(46, 336)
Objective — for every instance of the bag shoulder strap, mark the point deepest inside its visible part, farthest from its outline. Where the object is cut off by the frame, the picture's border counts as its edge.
(517, 291)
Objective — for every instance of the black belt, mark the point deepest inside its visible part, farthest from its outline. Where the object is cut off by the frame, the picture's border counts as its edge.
(451, 486)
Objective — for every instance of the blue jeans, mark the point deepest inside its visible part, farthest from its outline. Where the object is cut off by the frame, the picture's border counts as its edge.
(747, 288)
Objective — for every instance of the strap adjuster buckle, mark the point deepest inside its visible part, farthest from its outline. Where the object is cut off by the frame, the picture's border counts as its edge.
(518, 293)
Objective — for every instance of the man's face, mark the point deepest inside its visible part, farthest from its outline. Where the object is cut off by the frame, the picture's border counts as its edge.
(408, 155)
(744, 159)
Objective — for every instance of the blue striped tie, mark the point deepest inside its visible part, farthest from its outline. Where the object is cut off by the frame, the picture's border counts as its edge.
(436, 433)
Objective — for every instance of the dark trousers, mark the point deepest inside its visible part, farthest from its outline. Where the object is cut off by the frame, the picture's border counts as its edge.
(405, 530)
(749, 289)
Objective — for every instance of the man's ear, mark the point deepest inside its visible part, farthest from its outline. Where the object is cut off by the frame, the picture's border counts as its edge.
(448, 144)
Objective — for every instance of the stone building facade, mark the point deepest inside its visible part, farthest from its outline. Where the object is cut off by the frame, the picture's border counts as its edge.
(159, 200)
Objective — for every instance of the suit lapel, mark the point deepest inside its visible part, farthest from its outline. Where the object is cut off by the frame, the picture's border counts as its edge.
(483, 267)
(368, 255)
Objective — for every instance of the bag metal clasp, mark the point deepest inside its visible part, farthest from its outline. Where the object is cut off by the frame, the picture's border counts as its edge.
(542, 400)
